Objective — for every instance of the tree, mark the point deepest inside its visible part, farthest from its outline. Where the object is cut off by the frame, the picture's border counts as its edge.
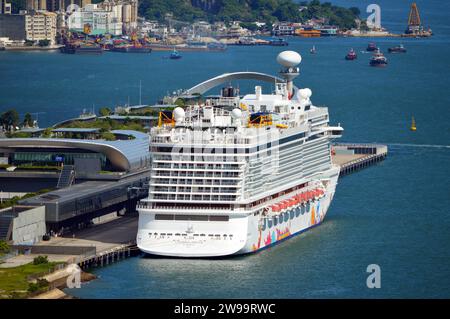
(9, 119)
(249, 26)
(40, 260)
(28, 120)
(105, 111)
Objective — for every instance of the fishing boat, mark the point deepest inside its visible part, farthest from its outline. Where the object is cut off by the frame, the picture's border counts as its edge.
(378, 59)
(372, 47)
(351, 55)
(175, 55)
(313, 50)
(397, 49)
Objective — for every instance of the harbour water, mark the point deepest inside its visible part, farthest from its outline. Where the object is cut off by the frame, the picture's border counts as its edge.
(395, 214)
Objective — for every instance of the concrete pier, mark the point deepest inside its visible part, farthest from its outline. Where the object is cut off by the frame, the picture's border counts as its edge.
(97, 245)
(353, 157)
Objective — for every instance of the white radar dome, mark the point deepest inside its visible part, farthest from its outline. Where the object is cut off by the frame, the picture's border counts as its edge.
(178, 113)
(236, 113)
(289, 58)
(305, 93)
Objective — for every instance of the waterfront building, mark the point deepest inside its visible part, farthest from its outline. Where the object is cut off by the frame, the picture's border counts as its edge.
(327, 31)
(92, 176)
(112, 17)
(128, 152)
(236, 31)
(41, 26)
(34, 26)
(282, 29)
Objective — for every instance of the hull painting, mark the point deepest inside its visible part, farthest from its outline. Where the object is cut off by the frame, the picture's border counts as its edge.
(289, 223)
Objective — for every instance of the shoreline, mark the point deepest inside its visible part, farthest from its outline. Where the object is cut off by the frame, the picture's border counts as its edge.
(23, 48)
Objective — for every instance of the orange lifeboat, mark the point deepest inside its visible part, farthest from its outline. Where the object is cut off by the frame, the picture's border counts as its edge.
(302, 197)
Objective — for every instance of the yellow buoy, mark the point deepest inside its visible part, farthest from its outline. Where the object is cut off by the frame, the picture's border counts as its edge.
(413, 124)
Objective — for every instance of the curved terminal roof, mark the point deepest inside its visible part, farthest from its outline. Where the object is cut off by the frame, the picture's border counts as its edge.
(227, 77)
(123, 154)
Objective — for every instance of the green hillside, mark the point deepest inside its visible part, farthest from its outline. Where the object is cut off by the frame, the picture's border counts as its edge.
(247, 11)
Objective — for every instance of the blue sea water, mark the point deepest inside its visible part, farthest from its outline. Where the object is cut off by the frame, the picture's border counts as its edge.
(395, 214)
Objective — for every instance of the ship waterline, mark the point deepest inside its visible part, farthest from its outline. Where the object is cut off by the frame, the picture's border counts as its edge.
(235, 175)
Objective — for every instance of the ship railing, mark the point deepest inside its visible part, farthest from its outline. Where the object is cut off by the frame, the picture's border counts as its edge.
(187, 207)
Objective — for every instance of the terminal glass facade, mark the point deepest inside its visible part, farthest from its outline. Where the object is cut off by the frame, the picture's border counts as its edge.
(53, 158)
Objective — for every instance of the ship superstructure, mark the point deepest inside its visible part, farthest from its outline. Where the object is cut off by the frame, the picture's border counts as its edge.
(235, 174)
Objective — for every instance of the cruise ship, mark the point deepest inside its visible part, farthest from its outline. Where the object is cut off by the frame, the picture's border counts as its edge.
(234, 174)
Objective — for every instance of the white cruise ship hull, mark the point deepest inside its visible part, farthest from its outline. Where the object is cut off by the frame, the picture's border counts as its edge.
(241, 234)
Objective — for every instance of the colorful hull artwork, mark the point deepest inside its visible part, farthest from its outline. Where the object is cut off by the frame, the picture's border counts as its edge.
(269, 234)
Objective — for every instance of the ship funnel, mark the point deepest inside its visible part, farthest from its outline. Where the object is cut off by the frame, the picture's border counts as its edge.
(289, 61)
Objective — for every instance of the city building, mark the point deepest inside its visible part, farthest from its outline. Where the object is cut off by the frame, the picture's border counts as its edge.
(54, 5)
(41, 26)
(12, 28)
(34, 27)
(112, 17)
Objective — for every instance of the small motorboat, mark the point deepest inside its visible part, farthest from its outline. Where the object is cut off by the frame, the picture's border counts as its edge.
(313, 50)
(397, 49)
(378, 59)
(372, 47)
(351, 55)
(175, 55)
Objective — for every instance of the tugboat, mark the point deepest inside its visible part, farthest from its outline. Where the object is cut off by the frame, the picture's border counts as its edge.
(378, 59)
(175, 55)
(351, 55)
(372, 47)
(313, 50)
(397, 49)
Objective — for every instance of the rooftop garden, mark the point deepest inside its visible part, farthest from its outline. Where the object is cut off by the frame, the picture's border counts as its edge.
(14, 200)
